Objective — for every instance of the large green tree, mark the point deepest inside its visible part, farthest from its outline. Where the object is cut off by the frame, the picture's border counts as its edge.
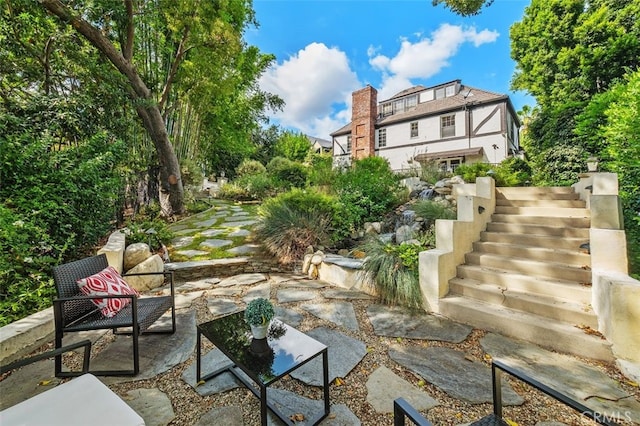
(464, 7)
(194, 50)
(569, 50)
(566, 52)
(580, 60)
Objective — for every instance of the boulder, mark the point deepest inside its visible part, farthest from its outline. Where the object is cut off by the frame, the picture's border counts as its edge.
(146, 282)
(404, 233)
(372, 227)
(135, 254)
(317, 258)
(306, 263)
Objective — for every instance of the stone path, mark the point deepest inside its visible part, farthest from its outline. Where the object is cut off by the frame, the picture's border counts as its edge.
(225, 229)
(449, 370)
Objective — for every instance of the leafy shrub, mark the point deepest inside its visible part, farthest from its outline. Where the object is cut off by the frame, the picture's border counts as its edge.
(293, 146)
(321, 171)
(431, 172)
(154, 232)
(249, 168)
(513, 171)
(368, 190)
(27, 254)
(56, 206)
(393, 271)
(293, 221)
(258, 186)
(470, 171)
(192, 174)
(561, 166)
(288, 174)
(197, 205)
(234, 192)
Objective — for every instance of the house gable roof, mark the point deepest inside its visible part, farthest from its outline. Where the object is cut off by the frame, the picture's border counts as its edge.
(467, 95)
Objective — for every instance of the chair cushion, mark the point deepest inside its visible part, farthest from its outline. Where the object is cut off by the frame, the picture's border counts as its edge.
(104, 283)
(82, 401)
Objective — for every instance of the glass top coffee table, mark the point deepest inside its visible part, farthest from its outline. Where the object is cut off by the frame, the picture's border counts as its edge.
(264, 361)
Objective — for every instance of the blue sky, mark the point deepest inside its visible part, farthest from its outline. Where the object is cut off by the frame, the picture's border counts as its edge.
(326, 49)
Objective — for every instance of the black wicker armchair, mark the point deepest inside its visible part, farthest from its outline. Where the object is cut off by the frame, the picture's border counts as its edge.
(74, 311)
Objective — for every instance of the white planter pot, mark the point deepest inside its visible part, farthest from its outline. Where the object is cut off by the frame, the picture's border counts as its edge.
(259, 331)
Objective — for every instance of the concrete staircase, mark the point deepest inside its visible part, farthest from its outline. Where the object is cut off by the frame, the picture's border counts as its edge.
(527, 277)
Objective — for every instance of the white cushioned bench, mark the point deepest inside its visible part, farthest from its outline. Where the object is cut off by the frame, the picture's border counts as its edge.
(82, 401)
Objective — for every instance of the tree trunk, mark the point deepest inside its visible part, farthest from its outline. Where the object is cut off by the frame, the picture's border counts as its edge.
(171, 189)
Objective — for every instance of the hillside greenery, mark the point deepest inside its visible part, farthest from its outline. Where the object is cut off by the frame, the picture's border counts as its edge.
(80, 157)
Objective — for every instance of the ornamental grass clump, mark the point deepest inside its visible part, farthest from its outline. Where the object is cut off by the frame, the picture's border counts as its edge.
(293, 221)
(259, 312)
(393, 271)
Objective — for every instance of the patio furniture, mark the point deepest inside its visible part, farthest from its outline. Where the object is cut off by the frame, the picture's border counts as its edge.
(402, 409)
(81, 401)
(74, 311)
(264, 361)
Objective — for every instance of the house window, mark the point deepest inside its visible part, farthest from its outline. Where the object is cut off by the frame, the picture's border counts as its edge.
(348, 143)
(387, 109)
(382, 138)
(398, 106)
(447, 126)
(414, 129)
(449, 165)
(450, 91)
(440, 93)
(411, 101)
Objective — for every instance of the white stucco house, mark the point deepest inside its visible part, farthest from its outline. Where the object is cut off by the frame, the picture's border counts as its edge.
(450, 123)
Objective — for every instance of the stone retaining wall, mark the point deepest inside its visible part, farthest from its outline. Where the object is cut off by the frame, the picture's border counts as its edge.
(198, 269)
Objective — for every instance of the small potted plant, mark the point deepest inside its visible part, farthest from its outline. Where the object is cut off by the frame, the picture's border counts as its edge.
(258, 314)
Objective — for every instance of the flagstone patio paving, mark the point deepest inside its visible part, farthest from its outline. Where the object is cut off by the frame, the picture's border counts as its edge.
(376, 354)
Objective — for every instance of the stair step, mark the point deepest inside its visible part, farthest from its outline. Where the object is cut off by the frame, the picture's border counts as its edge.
(534, 253)
(537, 196)
(532, 229)
(573, 222)
(542, 203)
(535, 189)
(531, 267)
(536, 193)
(561, 243)
(543, 211)
(549, 333)
(527, 283)
(547, 306)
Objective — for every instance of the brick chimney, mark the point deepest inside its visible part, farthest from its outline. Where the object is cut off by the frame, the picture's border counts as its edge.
(363, 122)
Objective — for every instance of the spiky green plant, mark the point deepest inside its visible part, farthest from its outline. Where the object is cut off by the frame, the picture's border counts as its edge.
(431, 210)
(393, 271)
(286, 231)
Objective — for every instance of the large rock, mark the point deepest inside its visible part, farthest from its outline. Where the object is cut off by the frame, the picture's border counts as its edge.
(135, 254)
(146, 282)
(114, 250)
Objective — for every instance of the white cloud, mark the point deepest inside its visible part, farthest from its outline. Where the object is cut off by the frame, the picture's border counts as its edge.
(316, 83)
(312, 83)
(425, 57)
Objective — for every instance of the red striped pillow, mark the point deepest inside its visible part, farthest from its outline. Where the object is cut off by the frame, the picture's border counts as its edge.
(104, 283)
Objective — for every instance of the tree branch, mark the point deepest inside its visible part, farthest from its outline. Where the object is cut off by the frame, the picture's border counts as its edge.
(100, 42)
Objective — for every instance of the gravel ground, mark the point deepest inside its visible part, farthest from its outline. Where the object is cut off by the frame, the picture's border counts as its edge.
(189, 406)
